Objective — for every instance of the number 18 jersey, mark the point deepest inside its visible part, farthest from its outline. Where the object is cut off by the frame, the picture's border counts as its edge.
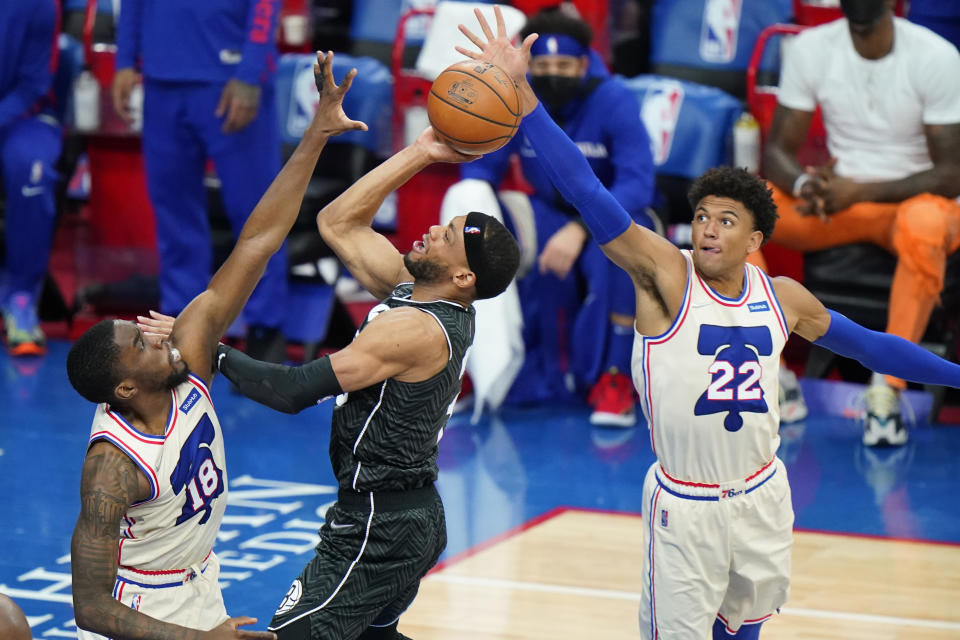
(176, 526)
(708, 385)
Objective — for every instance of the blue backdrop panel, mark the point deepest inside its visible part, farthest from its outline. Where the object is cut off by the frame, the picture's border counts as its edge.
(370, 99)
(711, 34)
(689, 124)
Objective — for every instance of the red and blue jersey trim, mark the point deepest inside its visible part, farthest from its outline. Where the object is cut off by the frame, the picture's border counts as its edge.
(137, 460)
(648, 341)
(772, 297)
(147, 437)
(725, 301)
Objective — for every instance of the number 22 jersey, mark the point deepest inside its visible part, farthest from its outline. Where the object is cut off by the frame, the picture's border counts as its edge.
(708, 385)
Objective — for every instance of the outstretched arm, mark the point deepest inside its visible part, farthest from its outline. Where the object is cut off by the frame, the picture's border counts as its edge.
(200, 325)
(640, 252)
(345, 222)
(880, 352)
(374, 355)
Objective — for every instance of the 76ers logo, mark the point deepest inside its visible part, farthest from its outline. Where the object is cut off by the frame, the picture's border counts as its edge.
(736, 371)
(197, 472)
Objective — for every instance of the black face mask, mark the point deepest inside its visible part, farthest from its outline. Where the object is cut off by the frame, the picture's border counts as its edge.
(556, 91)
(862, 12)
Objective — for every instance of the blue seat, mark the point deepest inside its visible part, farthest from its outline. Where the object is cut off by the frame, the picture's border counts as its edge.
(710, 41)
(690, 127)
(689, 124)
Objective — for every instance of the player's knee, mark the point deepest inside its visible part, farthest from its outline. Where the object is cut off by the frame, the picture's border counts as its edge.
(923, 219)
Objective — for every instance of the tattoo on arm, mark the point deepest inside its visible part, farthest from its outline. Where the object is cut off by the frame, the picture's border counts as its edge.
(110, 484)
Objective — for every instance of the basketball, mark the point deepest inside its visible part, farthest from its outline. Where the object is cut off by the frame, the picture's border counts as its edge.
(474, 107)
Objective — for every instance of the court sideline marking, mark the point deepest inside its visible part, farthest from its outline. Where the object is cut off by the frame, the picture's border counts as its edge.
(612, 594)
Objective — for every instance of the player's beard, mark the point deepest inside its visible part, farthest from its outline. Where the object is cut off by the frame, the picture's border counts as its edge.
(179, 375)
(424, 270)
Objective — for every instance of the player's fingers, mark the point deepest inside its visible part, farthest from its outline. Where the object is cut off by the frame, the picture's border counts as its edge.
(240, 621)
(224, 102)
(501, 27)
(257, 635)
(348, 81)
(483, 24)
(528, 42)
(470, 36)
(466, 52)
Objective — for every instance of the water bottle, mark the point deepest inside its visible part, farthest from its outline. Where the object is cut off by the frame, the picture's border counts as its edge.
(86, 102)
(746, 142)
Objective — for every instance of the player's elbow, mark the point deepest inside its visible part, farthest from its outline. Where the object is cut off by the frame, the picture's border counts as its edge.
(88, 614)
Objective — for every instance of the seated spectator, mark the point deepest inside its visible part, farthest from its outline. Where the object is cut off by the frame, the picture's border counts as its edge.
(30, 143)
(889, 92)
(576, 304)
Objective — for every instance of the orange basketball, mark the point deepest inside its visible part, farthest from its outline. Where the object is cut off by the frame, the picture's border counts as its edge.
(474, 107)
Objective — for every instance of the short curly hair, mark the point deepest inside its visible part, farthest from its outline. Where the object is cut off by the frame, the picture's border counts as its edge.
(93, 363)
(555, 20)
(738, 184)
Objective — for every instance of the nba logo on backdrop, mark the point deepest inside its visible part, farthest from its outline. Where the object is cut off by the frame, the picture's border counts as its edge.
(659, 112)
(718, 36)
(304, 102)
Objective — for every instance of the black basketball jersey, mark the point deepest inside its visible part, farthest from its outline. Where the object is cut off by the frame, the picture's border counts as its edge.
(384, 437)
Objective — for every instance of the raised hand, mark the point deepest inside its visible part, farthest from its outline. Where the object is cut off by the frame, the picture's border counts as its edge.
(438, 151)
(330, 117)
(157, 327)
(497, 49)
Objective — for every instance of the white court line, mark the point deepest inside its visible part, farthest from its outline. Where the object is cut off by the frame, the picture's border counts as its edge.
(611, 594)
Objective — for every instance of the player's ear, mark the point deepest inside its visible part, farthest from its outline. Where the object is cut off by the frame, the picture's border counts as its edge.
(464, 278)
(755, 241)
(125, 390)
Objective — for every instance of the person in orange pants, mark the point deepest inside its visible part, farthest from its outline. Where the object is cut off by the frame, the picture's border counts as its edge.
(894, 172)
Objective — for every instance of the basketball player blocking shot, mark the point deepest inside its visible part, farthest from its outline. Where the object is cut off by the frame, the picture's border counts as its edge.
(154, 481)
(708, 336)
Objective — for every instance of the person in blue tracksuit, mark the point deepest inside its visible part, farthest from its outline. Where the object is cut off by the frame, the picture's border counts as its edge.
(578, 308)
(208, 72)
(943, 18)
(30, 143)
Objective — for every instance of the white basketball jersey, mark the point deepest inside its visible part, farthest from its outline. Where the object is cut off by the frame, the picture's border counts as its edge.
(709, 386)
(175, 527)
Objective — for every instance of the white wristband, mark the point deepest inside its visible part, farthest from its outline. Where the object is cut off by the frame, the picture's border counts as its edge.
(801, 180)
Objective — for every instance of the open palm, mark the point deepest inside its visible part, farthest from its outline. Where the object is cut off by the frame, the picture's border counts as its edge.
(497, 49)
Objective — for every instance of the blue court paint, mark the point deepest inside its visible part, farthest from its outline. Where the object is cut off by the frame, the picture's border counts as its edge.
(493, 477)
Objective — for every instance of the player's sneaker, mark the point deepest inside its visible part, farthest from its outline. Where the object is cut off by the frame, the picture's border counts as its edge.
(883, 422)
(24, 335)
(793, 408)
(613, 401)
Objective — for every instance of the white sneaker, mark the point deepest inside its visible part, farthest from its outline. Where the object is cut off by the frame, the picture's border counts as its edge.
(883, 422)
(793, 408)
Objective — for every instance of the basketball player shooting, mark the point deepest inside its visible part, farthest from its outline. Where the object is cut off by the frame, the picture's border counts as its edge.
(709, 332)
(396, 384)
(154, 481)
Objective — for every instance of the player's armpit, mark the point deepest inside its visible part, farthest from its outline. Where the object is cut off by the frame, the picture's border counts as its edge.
(402, 343)
(806, 316)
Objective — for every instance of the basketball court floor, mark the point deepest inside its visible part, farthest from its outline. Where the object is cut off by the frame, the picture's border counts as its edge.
(542, 516)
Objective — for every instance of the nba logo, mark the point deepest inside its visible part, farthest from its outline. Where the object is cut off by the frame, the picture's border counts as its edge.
(718, 35)
(659, 112)
(663, 517)
(304, 101)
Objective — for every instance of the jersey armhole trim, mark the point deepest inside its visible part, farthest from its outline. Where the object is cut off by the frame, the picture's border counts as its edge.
(137, 460)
